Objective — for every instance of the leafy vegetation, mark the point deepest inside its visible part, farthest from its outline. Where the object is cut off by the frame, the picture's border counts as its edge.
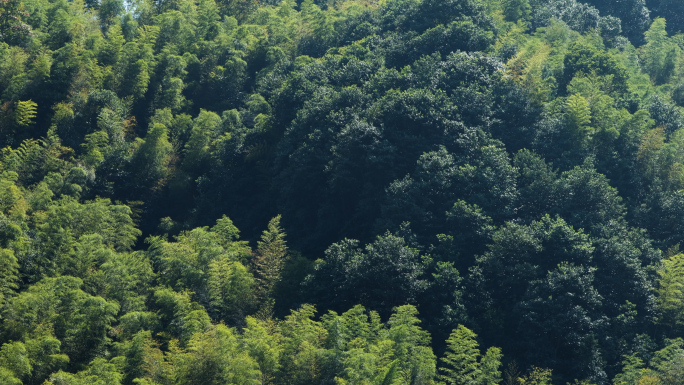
(469, 192)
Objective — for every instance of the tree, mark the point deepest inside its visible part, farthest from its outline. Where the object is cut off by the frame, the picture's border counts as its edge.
(536, 376)
(578, 116)
(80, 321)
(524, 264)
(9, 268)
(268, 262)
(303, 351)
(14, 359)
(412, 345)
(185, 264)
(664, 368)
(490, 365)
(231, 289)
(672, 11)
(632, 371)
(178, 315)
(240, 9)
(127, 278)
(112, 222)
(586, 59)
(206, 128)
(87, 333)
(586, 199)
(424, 197)
(515, 10)
(659, 54)
(264, 344)
(150, 162)
(228, 236)
(463, 364)
(563, 309)
(386, 273)
(108, 11)
(579, 16)
(140, 354)
(633, 14)
(98, 372)
(44, 351)
(670, 295)
(13, 30)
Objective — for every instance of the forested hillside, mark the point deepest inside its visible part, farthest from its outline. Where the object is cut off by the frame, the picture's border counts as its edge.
(469, 192)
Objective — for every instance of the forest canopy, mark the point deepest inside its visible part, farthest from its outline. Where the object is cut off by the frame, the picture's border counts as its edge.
(470, 192)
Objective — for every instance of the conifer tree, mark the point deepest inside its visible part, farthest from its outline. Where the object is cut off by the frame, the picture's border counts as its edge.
(461, 366)
(463, 363)
(489, 366)
(268, 263)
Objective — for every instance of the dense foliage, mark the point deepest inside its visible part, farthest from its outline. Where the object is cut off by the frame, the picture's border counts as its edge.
(469, 192)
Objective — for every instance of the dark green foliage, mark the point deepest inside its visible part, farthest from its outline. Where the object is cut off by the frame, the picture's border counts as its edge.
(530, 268)
(514, 166)
(579, 16)
(633, 14)
(515, 10)
(384, 274)
(671, 10)
(585, 59)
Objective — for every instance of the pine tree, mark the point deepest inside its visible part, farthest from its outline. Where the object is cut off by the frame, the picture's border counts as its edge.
(268, 263)
(489, 366)
(461, 365)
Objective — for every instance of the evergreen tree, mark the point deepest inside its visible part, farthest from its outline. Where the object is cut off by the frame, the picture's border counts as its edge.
(461, 360)
(268, 262)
